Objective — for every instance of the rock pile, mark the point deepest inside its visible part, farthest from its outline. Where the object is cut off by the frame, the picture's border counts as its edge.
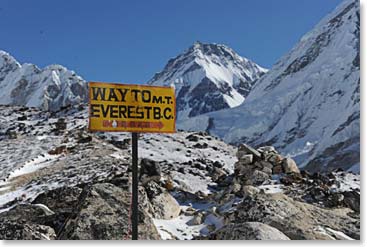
(254, 167)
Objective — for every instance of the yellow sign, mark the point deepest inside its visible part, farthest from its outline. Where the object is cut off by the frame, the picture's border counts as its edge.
(131, 108)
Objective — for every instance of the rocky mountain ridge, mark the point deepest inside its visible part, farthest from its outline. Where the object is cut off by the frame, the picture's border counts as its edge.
(50, 88)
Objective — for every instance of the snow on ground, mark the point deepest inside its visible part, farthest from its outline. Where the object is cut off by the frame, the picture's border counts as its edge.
(178, 228)
(33, 165)
(272, 188)
(347, 181)
(332, 234)
(175, 151)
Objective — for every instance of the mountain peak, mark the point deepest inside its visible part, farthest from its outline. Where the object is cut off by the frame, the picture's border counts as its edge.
(208, 77)
(50, 88)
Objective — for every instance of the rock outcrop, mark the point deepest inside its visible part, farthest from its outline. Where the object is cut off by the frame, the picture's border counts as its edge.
(249, 231)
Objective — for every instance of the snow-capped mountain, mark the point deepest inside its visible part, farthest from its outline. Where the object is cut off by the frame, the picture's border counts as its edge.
(307, 105)
(208, 77)
(49, 88)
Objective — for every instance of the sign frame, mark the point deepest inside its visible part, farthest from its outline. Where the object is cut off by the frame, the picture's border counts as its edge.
(134, 131)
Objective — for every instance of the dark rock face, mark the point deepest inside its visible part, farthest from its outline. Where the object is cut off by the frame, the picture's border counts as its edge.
(104, 214)
(206, 91)
(149, 170)
(26, 221)
(10, 230)
(99, 211)
(199, 90)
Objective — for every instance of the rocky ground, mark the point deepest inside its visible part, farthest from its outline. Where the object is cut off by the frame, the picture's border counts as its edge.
(58, 181)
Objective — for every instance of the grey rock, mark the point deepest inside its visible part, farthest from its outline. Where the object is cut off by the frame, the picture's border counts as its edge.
(150, 170)
(265, 164)
(103, 213)
(289, 166)
(249, 190)
(196, 220)
(249, 231)
(10, 230)
(267, 170)
(352, 199)
(165, 206)
(275, 159)
(246, 159)
(295, 219)
(249, 150)
(267, 149)
(257, 178)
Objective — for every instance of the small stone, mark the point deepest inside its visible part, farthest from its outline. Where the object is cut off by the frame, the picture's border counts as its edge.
(249, 150)
(246, 159)
(266, 164)
(267, 149)
(61, 124)
(181, 170)
(275, 159)
(249, 190)
(85, 139)
(218, 164)
(257, 177)
(236, 187)
(197, 220)
(192, 138)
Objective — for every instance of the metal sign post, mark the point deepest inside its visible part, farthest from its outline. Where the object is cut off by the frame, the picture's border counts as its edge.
(135, 181)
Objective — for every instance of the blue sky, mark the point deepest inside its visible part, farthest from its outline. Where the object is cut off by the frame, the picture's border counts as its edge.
(128, 41)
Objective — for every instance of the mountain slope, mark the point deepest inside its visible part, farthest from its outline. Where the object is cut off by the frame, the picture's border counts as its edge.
(308, 104)
(208, 77)
(49, 88)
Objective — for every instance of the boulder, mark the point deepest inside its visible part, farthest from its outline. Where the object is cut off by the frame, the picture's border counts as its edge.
(150, 170)
(290, 166)
(12, 134)
(246, 159)
(267, 149)
(192, 138)
(85, 138)
(275, 159)
(267, 170)
(257, 178)
(249, 190)
(218, 175)
(103, 212)
(27, 222)
(246, 149)
(352, 199)
(61, 124)
(164, 205)
(295, 219)
(11, 230)
(249, 231)
(196, 220)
